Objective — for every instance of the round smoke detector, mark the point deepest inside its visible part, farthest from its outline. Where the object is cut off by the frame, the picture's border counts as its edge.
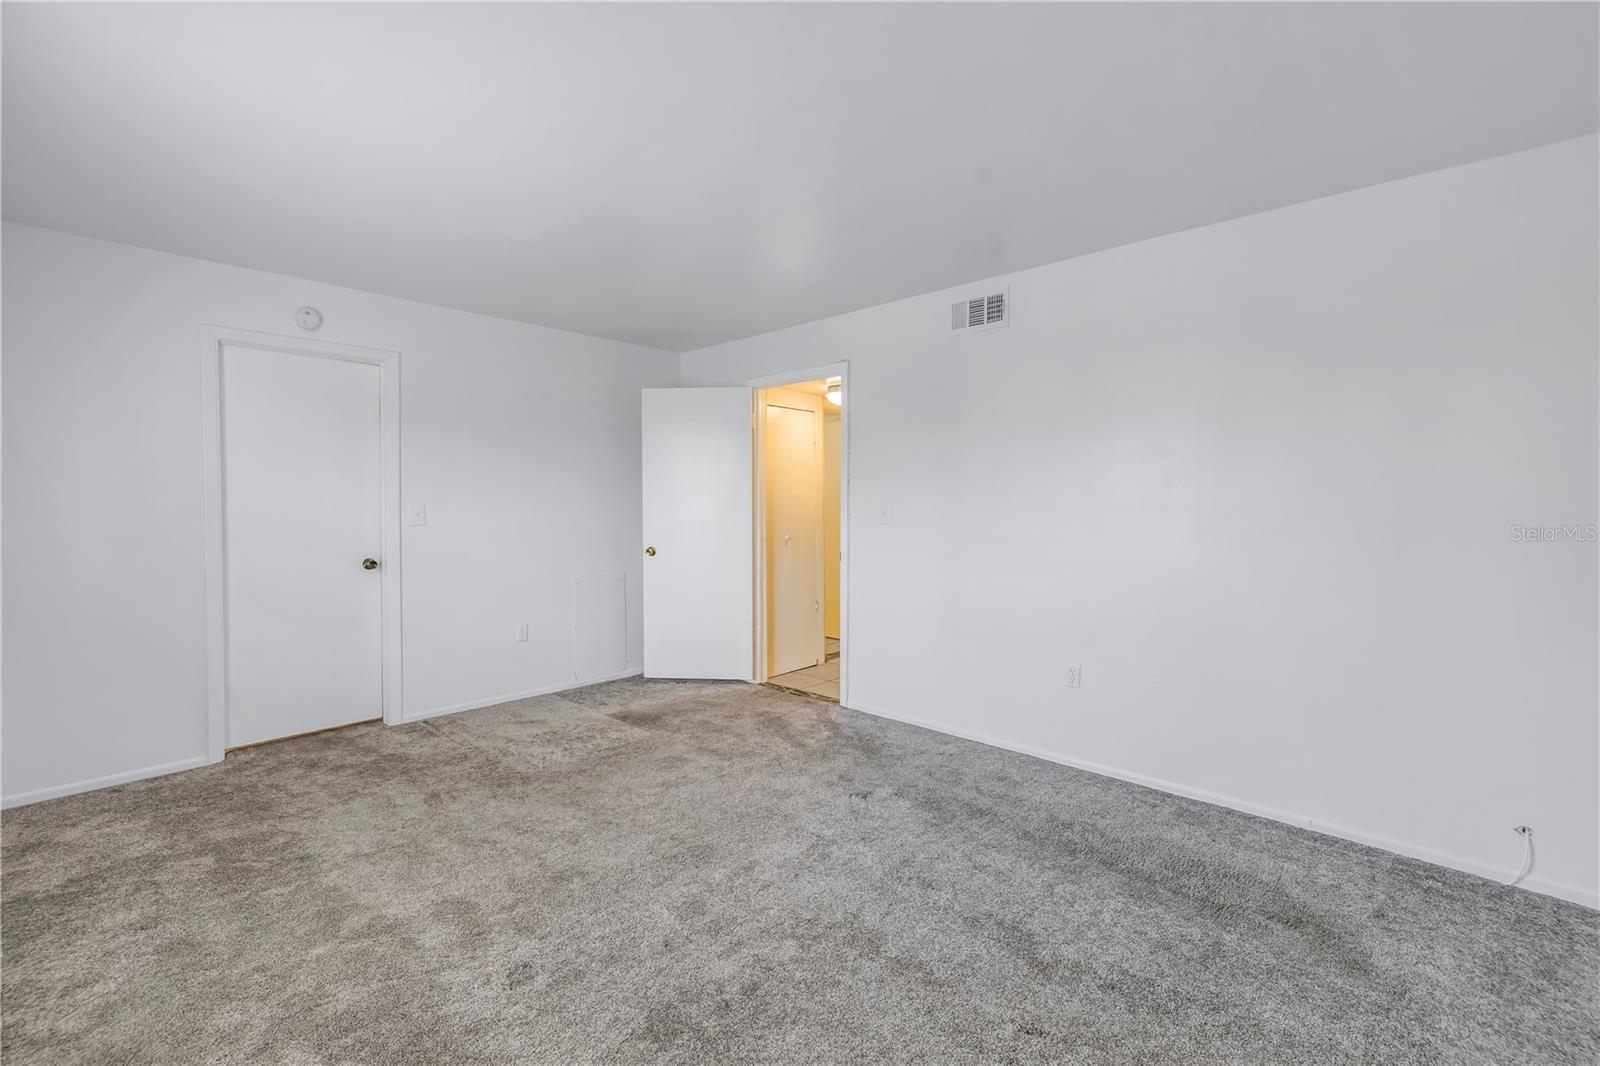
(308, 318)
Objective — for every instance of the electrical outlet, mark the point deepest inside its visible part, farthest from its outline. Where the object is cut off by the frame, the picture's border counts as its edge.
(522, 632)
(1074, 675)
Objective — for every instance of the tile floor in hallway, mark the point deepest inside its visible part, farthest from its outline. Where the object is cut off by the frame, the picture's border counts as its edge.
(819, 680)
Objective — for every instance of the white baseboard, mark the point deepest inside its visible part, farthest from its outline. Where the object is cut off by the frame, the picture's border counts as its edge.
(1573, 893)
(107, 781)
(630, 670)
(125, 776)
(1588, 897)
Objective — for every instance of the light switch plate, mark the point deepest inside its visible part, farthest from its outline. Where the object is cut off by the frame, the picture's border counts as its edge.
(419, 514)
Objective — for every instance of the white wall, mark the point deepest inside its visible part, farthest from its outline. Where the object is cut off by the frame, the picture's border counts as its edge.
(523, 443)
(1258, 479)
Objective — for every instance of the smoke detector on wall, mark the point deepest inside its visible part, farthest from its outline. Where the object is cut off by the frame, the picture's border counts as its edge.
(308, 318)
(981, 312)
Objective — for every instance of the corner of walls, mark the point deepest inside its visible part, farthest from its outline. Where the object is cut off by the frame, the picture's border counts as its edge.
(1238, 473)
(102, 418)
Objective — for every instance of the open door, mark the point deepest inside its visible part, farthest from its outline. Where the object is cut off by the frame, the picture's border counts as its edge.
(699, 565)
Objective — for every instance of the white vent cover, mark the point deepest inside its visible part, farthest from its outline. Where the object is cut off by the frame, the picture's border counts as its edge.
(980, 312)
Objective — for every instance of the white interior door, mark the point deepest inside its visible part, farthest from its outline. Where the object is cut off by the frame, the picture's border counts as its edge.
(698, 533)
(794, 538)
(301, 461)
(832, 499)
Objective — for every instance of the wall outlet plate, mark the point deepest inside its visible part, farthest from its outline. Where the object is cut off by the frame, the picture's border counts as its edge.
(522, 632)
(1074, 675)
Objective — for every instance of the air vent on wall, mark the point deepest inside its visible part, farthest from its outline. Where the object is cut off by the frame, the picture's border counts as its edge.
(980, 312)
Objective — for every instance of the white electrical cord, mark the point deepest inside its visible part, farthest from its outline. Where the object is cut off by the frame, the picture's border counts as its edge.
(1527, 855)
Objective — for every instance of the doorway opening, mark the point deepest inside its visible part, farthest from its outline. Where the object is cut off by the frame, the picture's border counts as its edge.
(746, 571)
(800, 473)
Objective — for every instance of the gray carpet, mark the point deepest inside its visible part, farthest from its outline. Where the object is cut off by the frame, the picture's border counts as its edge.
(694, 872)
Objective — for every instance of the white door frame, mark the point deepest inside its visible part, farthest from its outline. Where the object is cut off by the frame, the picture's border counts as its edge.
(840, 370)
(212, 339)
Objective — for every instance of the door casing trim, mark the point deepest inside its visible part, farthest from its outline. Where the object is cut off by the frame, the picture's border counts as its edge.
(212, 340)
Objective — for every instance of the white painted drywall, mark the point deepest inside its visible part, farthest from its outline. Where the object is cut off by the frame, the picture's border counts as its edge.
(522, 442)
(1259, 479)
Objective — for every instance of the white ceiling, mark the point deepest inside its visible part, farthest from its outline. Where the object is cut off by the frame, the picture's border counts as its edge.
(681, 175)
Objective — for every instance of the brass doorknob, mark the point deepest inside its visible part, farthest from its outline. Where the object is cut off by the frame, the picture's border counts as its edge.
(650, 550)
(369, 564)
